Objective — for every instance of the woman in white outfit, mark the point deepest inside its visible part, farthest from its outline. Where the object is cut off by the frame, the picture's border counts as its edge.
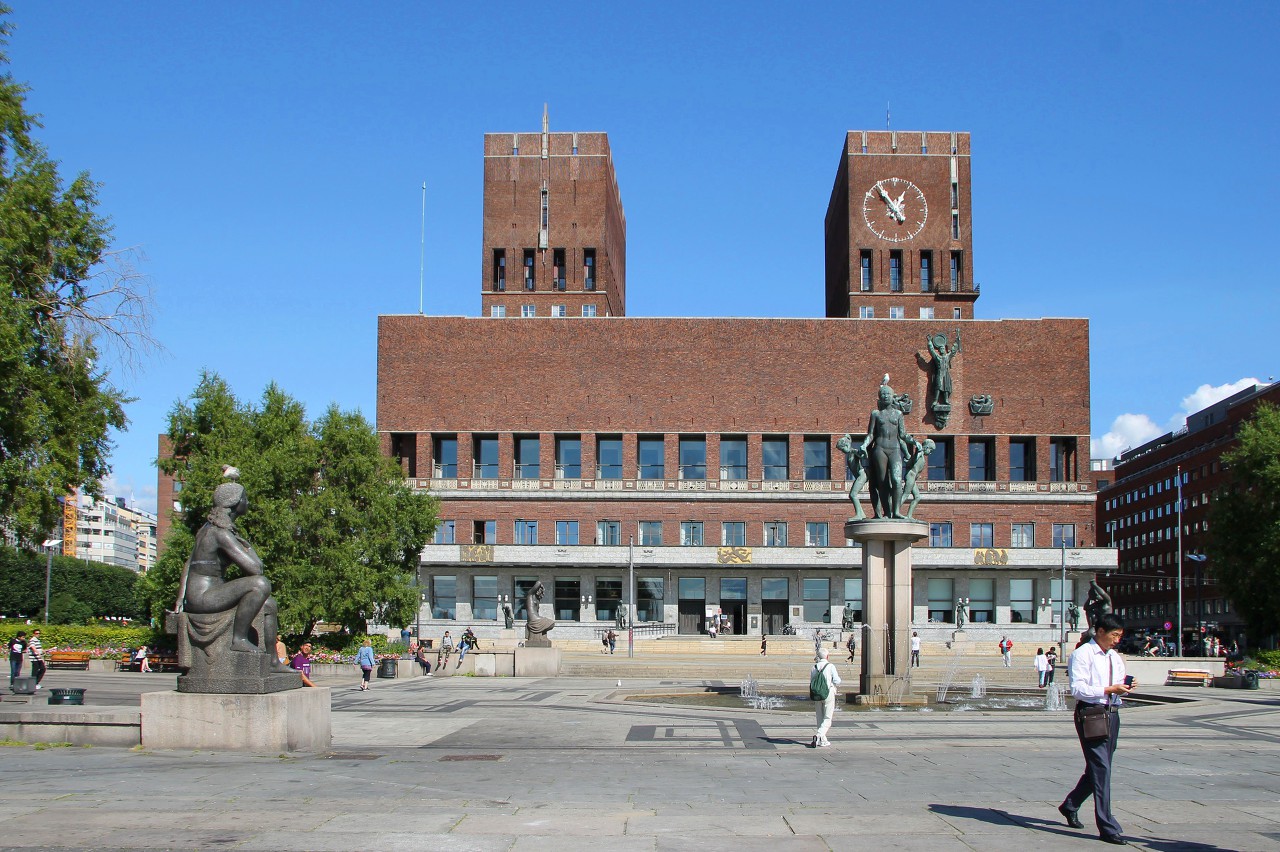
(827, 708)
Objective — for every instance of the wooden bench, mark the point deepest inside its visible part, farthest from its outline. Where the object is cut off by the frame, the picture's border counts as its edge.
(1189, 677)
(67, 660)
(158, 660)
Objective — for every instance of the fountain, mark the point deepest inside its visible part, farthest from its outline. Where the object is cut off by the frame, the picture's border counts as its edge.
(979, 689)
(950, 675)
(1053, 698)
(749, 689)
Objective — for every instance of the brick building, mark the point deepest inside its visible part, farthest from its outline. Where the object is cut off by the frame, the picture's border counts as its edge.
(557, 436)
(1139, 513)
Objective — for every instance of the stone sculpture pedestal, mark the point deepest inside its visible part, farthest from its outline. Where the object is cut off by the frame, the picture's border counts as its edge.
(537, 662)
(886, 583)
(295, 720)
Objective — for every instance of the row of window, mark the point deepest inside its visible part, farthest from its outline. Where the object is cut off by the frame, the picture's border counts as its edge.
(1161, 486)
(559, 269)
(692, 459)
(899, 312)
(983, 535)
(526, 311)
(925, 271)
(1217, 606)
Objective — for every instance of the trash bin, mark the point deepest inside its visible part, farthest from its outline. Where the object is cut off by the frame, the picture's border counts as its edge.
(66, 696)
(1251, 681)
(23, 686)
(388, 668)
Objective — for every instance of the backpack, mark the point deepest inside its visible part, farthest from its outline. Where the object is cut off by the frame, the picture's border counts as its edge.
(819, 688)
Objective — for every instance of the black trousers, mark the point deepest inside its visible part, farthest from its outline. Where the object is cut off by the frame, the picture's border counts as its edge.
(38, 668)
(1096, 780)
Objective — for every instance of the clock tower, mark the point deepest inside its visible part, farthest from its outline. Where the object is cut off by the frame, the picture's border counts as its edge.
(899, 237)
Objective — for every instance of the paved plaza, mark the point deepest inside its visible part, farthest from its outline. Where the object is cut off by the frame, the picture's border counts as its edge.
(555, 764)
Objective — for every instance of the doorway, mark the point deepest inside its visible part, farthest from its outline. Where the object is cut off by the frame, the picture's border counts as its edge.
(774, 616)
(692, 604)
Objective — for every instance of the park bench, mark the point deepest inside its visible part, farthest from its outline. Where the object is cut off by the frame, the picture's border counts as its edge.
(158, 660)
(67, 659)
(1189, 677)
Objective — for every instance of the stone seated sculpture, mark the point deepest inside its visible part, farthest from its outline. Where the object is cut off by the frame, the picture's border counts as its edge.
(536, 626)
(226, 629)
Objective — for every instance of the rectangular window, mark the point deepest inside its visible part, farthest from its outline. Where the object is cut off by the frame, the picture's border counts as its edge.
(865, 261)
(733, 533)
(445, 456)
(815, 534)
(942, 600)
(956, 269)
(499, 269)
(955, 226)
(445, 532)
(651, 533)
(853, 596)
(982, 601)
(817, 599)
(485, 455)
(568, 457)
(1022, 606)
(528, 450)
(775, 534)
(692, 588)
(609, 532)
(652, 458)
(484, 598)
(608, 597)
(527, 311)
(733, 588)
(521, 587)
(866, 312)
(1055, 592)
(981, 535)
(1022, 460)
(566, 532)
(1064, 535)
(940, 534)
(926, 271)
(693, 457)
(498, 311)
(1023, 535)
(926, 313)
(609, 458)
(558, 272)
(895, 271)
(528, 269)
(775, 589)
(1062, 459)
(982, 462)
(589, 269)
(942, 466)
(774, 455)
(526, 532)
(559, 310)
(691, 534)
(569, 601)
(649, 596)
(444, 597)
(955, 313)
(733, 458)
(897, 312)
(955, 195)
(588, 310)
(817, 457)
(484, 532)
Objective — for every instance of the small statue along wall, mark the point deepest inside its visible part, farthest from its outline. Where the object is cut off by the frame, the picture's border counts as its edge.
(943, 355)
(536, 626)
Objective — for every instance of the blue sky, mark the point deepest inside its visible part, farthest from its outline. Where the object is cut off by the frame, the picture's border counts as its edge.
(267, 160)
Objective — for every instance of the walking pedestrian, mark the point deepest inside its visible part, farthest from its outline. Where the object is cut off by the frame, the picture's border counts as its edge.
(612, 639)
(1052, 657)
(36, 652)
(823, 680)
(915, 649)
(17, 650)
(364, 659)
(764, 646)
(1098, 684)
(852, 645)
(1006, 651)
(1041, 664)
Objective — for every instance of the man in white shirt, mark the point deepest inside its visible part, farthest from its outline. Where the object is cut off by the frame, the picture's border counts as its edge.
(915, 649)
(827, 707)
(1098, 679)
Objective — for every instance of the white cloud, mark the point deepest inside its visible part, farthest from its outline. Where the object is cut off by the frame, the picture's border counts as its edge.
(140, 496)
(1127, 431)
(1206, 395)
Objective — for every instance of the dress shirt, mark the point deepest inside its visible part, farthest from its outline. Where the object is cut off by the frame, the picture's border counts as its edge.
(1092, 671)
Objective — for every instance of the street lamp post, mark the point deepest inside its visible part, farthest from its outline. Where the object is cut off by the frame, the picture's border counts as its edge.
(1199, 559)
(631, 593)
(48, 572)
(1062, 605)
(1178, 477)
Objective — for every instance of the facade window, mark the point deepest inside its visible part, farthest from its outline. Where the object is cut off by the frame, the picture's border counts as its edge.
(942, 600)
(498, 311)
(568, 599)
(546, 218)
(485, 455)
(895, 271)
(445, 531)
(940, 534)
(484, 532)
(774, 455)
(652, 458)
(484, 598)
(981, 535)
(526, 532)
(521, 587)
(651, 533)
(1055, 591)
(866, 312)
(559, 310)
(557, 263)
(609, 532)
(444, 597)
(897, 312)
(528, 450)
(527, 311)
(955, 195)
(568, 457)
(1062, 459)
(956, 313)
(926, 313)
(775, 534)
(1022, 535)
(982, 462)
(926, 271)
(608, 597)
(566, 532)
(957, 268)
(1022, 460)
(691, 534)
(588, 310)
(589, 269)
(445, 461)
(499, 269)
(649, 596)
(774, 589)
(733, 458)
(817, 458)
(528, 269)
(1022, 609)
(853, 596)
(815, 534)
(609, 458)
(942, 467)
(817, 599)
(865, 262)
(1064, 535)
(693, 457)
(955, 226)
(733, 534)
(982, 601)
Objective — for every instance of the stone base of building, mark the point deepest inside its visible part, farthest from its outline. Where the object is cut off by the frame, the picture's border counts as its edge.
(295, 720)
(537, 662)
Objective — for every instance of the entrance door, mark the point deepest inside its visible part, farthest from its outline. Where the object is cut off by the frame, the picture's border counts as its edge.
(774, 616)
(692, 604)
(737, 612)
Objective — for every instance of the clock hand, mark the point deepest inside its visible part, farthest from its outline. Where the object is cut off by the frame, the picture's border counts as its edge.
(899, 211)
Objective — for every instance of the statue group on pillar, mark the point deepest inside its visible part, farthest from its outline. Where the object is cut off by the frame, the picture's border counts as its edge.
(890, 458)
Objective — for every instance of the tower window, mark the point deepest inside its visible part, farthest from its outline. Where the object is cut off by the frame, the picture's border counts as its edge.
(926, 271)
(588, 310)
(499, 269)
(559, 310)
(557, 261)
(528, 269)
(866, 271)
(588, 269)
(866, 312)
(527, 311)
(897, 312)
(895, 271)
(955, 195)
(955, 226)
(498, 311)
(956, 270)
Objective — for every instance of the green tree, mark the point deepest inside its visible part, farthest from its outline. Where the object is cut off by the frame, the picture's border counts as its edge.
(102, 590)
(1245, 522)
(337, 527)
(64, 294)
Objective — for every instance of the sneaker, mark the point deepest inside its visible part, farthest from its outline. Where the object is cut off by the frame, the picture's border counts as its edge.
(429, 674)
(824, 744)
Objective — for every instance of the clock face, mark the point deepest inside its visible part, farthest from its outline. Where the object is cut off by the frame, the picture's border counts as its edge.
(894, 209)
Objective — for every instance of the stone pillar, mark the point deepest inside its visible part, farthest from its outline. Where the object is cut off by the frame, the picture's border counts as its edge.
(886, 602)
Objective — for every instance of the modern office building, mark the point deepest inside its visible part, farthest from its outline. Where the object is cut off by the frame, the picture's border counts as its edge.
(577, 446)
(109, 531)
